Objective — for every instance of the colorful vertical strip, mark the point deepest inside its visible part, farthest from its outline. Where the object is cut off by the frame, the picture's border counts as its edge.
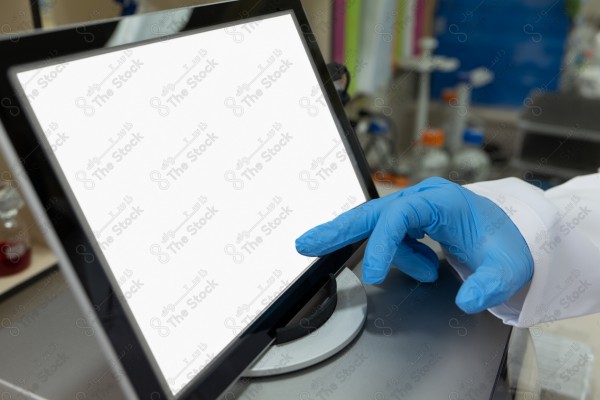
(419, 18)
(399, 31)
(408, 27)
(338, 32)
(352, 40)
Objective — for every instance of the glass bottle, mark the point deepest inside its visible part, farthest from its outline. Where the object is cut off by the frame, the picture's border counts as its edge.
(430, 158)
(15, 244)
(471, 163)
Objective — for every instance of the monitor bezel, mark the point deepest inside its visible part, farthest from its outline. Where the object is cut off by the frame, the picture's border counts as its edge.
(69, 232)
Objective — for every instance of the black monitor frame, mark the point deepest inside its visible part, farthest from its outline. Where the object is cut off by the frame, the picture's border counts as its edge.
(33, 166)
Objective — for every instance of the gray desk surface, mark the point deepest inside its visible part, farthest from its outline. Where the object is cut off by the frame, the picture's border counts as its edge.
(416, 344)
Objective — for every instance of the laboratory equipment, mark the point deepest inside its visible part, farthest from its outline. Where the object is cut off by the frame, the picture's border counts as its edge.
(425, 65)
(558, 137)
(81, 329)
(15, 244)
(429, 158)
(236, 124)
(461, 117)
(375, 132)
(470, 163)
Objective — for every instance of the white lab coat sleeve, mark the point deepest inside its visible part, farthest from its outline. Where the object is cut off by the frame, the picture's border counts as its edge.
(561, 227)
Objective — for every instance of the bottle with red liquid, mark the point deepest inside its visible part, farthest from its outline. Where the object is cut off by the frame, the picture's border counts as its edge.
(15, 244)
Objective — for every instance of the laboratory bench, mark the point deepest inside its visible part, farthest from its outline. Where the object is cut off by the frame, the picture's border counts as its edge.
(415, 344)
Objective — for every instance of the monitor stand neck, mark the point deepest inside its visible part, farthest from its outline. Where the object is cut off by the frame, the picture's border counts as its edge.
(347, 308)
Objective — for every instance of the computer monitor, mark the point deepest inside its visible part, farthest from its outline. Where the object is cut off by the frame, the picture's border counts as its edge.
(181, 167)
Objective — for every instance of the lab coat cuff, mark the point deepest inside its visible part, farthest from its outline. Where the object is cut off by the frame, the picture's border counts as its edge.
(526, 206)
(560, 227)
(532, 214)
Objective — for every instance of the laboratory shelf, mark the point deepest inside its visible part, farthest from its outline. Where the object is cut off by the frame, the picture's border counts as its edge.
(42, 259)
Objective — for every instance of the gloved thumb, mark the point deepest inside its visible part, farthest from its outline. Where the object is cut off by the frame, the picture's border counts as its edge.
(490, 285)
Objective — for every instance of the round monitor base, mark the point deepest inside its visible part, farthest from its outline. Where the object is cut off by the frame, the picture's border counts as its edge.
(335, 334)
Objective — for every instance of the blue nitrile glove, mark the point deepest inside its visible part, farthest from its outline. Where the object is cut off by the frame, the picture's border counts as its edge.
(472, 228)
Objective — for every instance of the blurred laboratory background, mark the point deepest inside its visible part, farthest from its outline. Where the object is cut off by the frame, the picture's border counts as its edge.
(469, 90)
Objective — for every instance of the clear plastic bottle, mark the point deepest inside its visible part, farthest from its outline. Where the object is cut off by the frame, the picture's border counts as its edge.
(15, 244)
(470, 163)
(430, 158)
(453, 116)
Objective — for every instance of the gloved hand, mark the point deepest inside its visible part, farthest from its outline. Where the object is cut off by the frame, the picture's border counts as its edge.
(474, 230)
